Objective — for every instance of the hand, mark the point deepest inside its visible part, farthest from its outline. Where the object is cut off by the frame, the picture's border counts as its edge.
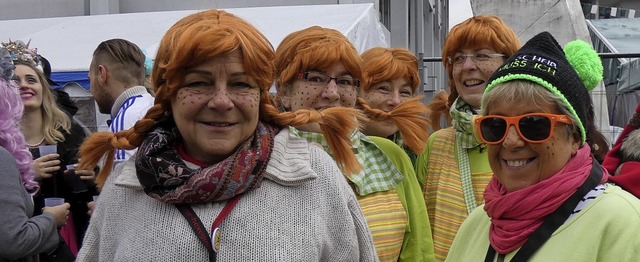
(61, 213)
(91, 205)
(45, 165)
(86, 175)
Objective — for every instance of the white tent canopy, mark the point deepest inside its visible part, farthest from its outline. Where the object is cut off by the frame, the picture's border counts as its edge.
(68, 42)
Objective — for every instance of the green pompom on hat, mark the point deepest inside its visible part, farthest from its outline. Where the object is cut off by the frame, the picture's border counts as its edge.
(570, 74)
(585, 61)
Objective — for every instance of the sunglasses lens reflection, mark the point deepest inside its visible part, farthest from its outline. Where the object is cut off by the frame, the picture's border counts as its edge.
(535, 128)
(493, 129)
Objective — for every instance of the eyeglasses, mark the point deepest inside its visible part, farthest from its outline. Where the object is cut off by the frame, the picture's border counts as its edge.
(459, 59)
(533, 128)
(320, 79)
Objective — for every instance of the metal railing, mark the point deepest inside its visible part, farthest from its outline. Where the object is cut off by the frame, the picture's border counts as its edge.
(602, 56)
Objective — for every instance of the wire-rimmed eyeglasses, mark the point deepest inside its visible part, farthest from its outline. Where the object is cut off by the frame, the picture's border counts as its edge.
(317, 78)
(459, 59)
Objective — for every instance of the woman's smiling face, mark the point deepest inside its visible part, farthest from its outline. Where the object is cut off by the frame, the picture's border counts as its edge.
(217, 109)
(303, 94)
(386, 95)
(518, 164)
(471, 76)
(29, 85)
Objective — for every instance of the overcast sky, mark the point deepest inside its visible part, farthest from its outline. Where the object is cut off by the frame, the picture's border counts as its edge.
(459, 10)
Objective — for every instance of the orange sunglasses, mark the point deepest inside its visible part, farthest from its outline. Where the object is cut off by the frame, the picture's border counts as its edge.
(533, 128)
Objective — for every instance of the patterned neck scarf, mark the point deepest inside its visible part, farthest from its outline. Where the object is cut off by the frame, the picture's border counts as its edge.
(378, 173)
(165, 176)
(461, 114)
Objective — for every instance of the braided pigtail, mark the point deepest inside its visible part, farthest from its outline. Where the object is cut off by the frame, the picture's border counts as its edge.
(409, 116)
(98, 144)
(336, 124)
(439, 106)
(411, 119)
(93, 149)
(373, 113)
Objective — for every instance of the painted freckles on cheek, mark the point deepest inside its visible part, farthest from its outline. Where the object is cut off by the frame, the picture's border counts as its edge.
(304, 94)
(348, 97)
(376, 99)
(186, 97)
(253, 99)
(245, 100)
(345, 97)
(299, 94)
(369, 96)
(490, 65)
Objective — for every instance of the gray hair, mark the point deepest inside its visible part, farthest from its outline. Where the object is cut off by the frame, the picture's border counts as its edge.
(522, 90)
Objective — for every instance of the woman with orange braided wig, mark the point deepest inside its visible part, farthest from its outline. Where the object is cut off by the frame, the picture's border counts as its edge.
(387, 95)
(454, 169)
(318, 68)
(217, 175)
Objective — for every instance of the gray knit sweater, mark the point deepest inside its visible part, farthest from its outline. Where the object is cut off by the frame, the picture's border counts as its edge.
(21, 236)
(304, 210)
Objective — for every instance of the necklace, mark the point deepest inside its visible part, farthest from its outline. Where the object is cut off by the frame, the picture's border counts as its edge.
(34, 145)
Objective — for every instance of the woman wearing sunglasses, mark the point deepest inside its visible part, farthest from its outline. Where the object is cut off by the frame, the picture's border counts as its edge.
(547, 200)
(453, 168)
(318, 68)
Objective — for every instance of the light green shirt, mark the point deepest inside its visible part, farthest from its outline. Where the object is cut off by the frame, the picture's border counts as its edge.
(607, 229)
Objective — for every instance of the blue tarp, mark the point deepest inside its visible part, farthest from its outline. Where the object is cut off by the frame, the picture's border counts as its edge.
(64, 78)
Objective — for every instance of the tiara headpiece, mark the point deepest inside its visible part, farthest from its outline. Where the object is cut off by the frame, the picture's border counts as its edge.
(20, 52)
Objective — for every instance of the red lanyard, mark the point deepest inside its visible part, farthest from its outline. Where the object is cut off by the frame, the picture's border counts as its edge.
(201, 232)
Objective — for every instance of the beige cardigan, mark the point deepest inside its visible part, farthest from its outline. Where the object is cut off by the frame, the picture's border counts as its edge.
(304, 210)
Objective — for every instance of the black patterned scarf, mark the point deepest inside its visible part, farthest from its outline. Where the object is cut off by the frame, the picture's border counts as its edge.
(165, 176)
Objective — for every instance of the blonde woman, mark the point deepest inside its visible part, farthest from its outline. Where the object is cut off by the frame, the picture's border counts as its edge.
(44, 123)
(24, 235)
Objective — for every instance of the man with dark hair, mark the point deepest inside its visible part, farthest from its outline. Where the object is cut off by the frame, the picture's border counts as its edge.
(117, 76)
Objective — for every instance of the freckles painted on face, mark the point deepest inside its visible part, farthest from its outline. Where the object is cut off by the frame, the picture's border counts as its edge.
(377, 98)
(368, 96)
(347, 97)
(253, 99)
(184, 96)
(551, 148)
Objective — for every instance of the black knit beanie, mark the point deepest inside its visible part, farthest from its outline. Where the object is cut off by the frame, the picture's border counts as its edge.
(570, 74)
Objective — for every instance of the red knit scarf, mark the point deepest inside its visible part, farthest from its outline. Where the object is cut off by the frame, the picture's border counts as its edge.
(516, 215)
(165, 176)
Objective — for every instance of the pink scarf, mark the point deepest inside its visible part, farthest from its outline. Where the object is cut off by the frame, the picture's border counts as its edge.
(516, 215)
